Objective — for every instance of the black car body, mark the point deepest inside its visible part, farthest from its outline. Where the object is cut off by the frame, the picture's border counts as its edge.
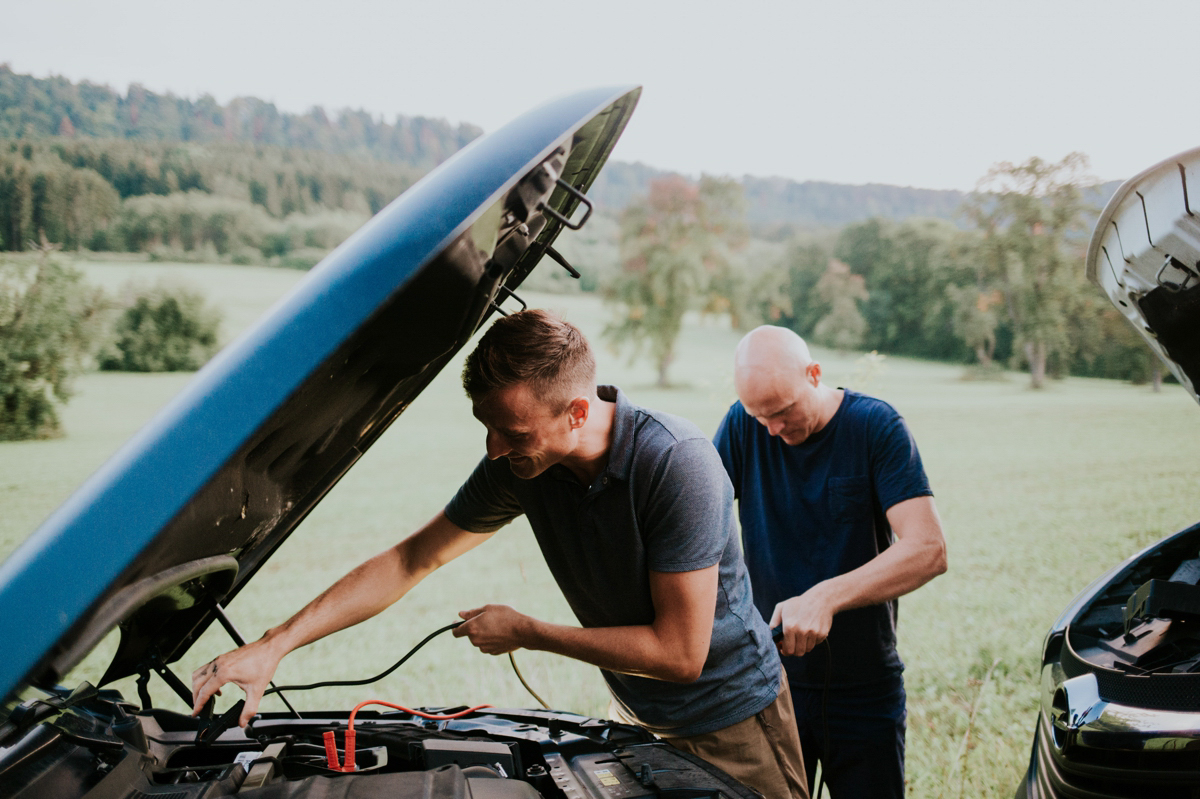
(171, 528)
(1120, 692)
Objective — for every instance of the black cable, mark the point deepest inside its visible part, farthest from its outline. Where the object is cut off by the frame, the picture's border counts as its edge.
(825, 717)
(369, 680)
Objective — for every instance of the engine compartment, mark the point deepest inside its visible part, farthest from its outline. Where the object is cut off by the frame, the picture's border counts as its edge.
(101, 747)
(1146, 620)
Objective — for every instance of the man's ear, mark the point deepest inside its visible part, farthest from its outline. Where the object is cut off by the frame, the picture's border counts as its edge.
(813, 373)
(577, 412)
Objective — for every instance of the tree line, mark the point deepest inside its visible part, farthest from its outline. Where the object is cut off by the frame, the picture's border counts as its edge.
(221, 200)
(1007, 287)
(33, 107)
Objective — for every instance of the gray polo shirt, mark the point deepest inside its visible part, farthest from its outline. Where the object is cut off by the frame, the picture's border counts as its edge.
(663, 503)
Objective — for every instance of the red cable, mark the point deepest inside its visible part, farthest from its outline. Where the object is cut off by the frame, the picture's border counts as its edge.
(331, 754)
(433, 716)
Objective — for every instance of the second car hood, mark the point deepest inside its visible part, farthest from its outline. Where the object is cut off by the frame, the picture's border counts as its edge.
(1145, 255)
(189, 509)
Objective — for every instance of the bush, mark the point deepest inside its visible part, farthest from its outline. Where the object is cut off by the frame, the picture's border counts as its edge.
(188, 221)
(162, 330)
(48, 316)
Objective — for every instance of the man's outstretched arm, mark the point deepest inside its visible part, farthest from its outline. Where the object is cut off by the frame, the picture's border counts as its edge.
(358, 596)
(673, 647)
(917, 556)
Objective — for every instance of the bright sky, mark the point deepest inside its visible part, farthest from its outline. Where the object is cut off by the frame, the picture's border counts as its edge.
(925, 93)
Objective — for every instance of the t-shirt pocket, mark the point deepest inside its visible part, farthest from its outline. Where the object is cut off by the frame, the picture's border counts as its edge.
(850, 499)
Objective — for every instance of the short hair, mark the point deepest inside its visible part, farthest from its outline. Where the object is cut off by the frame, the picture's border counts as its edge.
(535, 347)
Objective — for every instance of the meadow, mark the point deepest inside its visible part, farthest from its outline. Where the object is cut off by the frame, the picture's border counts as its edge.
(1039, 492)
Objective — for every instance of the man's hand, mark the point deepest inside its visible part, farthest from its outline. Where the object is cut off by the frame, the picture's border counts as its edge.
(917, 556)
(806, 620)
(250, 668)
(494, 629)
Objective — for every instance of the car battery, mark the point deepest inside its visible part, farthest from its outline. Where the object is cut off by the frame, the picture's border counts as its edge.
(495, 755)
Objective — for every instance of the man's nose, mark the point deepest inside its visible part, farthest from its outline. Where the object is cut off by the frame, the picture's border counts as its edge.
(774, 426)
(497, 447)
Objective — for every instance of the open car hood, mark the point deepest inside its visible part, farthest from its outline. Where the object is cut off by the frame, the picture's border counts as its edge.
(172, 526)
(1145, 255)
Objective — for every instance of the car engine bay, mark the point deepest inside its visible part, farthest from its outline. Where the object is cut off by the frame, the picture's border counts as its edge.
(1145, 621)
(93, 743)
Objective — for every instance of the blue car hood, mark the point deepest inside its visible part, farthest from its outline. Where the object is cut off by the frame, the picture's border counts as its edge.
(174, 524)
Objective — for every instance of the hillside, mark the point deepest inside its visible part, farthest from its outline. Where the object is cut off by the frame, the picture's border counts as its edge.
(37, 107)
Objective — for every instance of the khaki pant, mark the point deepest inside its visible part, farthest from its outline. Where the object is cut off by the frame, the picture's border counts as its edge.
(762, 751)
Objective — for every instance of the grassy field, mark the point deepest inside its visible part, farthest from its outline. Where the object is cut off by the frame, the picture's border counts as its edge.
(1039, 492)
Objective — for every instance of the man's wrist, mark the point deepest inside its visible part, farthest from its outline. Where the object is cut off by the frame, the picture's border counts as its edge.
(826, 595)
(531, 633)
(276, 642)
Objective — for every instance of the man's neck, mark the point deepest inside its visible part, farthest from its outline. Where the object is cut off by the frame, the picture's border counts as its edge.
(595, 441)
(831, 400)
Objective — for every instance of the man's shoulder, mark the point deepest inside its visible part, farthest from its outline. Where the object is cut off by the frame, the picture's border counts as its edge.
(645, 438)
(867, 409)
(663, 429)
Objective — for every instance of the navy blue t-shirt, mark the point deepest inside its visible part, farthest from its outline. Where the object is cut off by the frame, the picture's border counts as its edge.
(816, 510)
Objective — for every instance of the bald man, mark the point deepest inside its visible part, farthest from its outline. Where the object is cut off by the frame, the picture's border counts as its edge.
(838, 521)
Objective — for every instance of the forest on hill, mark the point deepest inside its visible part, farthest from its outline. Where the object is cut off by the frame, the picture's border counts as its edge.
(778, 207)
(85, 167)
(57, 110)
(33, 107)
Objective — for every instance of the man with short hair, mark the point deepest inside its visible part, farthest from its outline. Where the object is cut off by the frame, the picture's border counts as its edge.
(634, 515)
(838, 521)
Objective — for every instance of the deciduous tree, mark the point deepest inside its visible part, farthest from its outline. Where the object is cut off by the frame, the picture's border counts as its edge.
(843, 327)
(672, 244)
(1031, 216)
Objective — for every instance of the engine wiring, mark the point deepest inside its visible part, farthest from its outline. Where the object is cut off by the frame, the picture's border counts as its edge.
(331, 752)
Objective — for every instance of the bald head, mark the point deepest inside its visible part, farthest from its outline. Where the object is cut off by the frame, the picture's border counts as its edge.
(770, 352)
(779, 384)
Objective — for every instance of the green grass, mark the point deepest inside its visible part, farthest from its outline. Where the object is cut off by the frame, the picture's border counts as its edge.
(1039, 492)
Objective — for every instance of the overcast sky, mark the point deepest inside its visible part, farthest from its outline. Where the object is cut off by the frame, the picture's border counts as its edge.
(921, 93)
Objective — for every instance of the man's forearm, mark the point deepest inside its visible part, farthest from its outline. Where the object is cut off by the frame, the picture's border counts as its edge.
(674, 647)
(903, 567)
(907, 564)
(375, 585)
(637, 650)
(362, 593)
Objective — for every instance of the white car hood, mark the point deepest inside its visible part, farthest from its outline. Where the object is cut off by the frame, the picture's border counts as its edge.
(1145, 255)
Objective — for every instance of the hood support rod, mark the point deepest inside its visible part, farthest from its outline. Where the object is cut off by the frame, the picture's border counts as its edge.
(240, 640)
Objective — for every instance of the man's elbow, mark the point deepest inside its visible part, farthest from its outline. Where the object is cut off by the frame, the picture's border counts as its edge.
(683, 670)
(936, 560)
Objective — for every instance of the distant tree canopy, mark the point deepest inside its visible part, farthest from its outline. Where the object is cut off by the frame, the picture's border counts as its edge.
(843, 326)
(94, 169)
(221, 199)
(38, 107)
(906, 268)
